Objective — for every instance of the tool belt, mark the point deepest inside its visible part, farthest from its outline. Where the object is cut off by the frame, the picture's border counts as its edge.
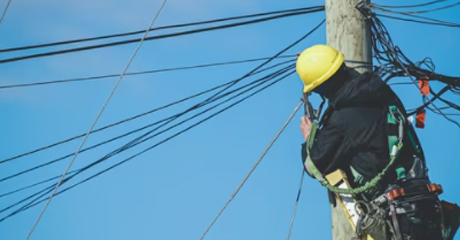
(410, 210)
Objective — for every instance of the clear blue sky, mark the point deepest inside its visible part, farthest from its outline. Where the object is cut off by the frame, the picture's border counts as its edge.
(174, 191)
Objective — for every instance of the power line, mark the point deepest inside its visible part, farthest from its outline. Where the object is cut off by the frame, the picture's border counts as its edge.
(127, 120)
(34, 203)
(97, 118)
(78, 49)
(138, 141)
(252, 170)
(397, 64)
(411, 6)
(412, 14)
(159, 28)
(4, 11)
(430, 10)
(165, 121)
(214, 97)
(138, 73)
(281, 52)
(456, 25)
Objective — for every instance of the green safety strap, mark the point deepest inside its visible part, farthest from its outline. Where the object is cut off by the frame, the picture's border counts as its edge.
(394, 152)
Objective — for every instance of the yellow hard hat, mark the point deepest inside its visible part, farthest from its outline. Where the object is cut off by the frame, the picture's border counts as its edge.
(317, 64)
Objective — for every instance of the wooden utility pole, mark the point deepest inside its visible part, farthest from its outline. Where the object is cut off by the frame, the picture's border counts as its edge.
(347, 32)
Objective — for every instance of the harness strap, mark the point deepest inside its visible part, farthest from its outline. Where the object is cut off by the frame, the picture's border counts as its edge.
(394, 152)
(395, 221)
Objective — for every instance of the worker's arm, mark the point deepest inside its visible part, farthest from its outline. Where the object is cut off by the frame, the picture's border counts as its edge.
(329, 148)
(305, 127)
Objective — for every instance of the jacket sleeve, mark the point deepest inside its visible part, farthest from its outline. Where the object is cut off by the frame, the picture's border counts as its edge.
(330, 145)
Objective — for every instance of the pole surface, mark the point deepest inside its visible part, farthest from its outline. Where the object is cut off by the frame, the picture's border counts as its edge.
(347, 32)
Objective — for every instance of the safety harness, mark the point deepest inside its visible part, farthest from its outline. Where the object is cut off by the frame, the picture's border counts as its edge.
(399, 204)
(396, 118)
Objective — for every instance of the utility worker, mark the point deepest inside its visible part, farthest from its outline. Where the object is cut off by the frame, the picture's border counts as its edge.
(353, 136)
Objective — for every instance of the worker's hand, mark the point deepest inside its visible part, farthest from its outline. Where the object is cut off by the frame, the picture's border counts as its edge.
(305, 126)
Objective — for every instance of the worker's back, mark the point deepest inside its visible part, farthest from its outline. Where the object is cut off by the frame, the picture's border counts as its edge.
(354, 131)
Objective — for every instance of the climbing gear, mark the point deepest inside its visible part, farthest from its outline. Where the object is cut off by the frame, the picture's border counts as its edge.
(317, 64)
(349, 204)
(400, 206)
(396, 118)
(408, 209)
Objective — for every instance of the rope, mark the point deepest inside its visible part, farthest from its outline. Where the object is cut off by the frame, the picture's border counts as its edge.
(295, 205)
(4, 11)
(252, 170)
(34, 203)
(97, 118)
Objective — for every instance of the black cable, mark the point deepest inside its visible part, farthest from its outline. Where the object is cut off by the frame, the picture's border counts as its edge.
(32, 185)
(138, 73)
(230, 85)
(165, 121)
(434, 9)
(119, 150)
(45, 191)
(430, 101)
(410, 6)
(418, 21)
(395, 61)
(154, 37)
(137, 116)
(398, 57)
(422, 11)
(145, 150)
(160, 28)
(137, 140)
(113, 124)
(279, 53)
(431, 21)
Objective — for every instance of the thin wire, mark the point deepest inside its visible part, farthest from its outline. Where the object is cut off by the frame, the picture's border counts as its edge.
(383, 44)
(295, 205)
(138, 73)
(137, 116)
(32, 203)
(410, 6)
(4, 11)
(97, 118)
(447, 24)
(435, 9)
(169, 119)
(252, 169)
